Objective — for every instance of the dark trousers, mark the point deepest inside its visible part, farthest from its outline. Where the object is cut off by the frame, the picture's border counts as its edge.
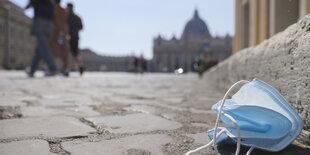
(74, 45)
(43, 30)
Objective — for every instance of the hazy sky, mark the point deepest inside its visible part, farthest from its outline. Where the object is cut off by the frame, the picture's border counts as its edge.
(123, 27)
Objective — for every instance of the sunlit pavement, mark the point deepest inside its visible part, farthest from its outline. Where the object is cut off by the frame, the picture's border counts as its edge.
(108, 113)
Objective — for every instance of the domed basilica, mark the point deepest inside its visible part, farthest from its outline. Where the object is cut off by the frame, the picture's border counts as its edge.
(196, 40)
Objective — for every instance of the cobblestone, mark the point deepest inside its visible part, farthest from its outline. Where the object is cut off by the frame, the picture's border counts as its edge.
(110, 113)
(27, 147)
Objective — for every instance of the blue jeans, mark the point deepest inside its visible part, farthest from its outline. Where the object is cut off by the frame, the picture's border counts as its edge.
(43, 30)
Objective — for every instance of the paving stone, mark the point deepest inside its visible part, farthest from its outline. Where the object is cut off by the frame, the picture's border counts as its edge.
(134, 123)
(14, 98)
(62, 98)
(170, 107)
(8, 112)
(173, 100)
(170, 116)
(202, 125)
(201, 138)
(130, 101)
(149, 143)
(43, 126)
(141, 108)
(34, 111)
(26, 147)
(69, 96)
(81, 111)
(198, 111)
(77, 111)
(142, 93)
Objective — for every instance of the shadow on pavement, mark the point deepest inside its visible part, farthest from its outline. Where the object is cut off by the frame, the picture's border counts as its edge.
(291, 149)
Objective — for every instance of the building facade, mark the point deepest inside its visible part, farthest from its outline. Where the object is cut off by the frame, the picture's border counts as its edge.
(16, 42)
(171, 54)
(95, 62)
(257, 20)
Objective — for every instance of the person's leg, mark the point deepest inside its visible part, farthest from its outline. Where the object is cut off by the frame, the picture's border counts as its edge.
(45, 39)
(64, 58)
(78, 60)
(54, 44)
(75, 52)
(37, 56)
(60, 49)
(35, 61)
(75, 49)
(64, 55)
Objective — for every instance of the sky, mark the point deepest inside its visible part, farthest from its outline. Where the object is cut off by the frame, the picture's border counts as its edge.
(127, 27)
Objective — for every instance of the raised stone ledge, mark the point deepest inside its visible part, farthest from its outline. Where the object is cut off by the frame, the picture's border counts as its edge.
(282, 61)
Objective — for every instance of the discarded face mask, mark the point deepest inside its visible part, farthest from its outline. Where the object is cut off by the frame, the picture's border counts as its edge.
(262, 117)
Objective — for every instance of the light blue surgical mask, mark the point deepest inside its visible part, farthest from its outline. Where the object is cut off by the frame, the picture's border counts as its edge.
(262, 117)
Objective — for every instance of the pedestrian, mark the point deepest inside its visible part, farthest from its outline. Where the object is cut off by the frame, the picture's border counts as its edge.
(60, 40)
(142, 64)
(202, 64)
(43, 30)
(75, 25)
(135, 64)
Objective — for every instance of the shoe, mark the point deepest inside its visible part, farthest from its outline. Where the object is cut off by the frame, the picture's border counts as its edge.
(50, 73)
(81, 68)
(29, 74)
(65, 72)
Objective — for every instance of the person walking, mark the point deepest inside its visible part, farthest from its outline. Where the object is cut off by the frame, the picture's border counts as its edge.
(135, 64)
(60, 40)
(142, 64)
(75, 25)
(43, 30)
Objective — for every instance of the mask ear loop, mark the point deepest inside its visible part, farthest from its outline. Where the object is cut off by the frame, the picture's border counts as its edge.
(234, 121)
(204, 146)
(216, 125)
(250, 150)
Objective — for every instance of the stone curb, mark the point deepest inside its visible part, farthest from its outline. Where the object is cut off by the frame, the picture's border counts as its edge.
(282, 61)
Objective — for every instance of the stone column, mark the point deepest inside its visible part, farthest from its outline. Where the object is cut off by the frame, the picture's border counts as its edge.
(245, 26)
(254, 23)
(238, 38)
(263, 20)
(304, 8)
(282, 14)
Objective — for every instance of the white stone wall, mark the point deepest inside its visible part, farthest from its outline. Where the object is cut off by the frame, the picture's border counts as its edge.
(283, 61)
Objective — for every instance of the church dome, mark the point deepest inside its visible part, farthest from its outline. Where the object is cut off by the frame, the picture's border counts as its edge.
(196, 28)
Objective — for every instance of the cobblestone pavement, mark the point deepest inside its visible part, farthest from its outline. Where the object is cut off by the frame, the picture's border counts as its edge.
(109, 113)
